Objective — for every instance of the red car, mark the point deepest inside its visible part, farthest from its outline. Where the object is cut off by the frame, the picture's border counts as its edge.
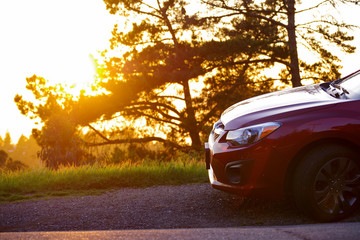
(302, 142)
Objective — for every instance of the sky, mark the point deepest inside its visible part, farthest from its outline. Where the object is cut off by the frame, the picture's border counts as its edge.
(52, 39)
(56, 40)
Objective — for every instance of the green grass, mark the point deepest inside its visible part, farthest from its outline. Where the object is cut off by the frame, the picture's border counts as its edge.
(86, 180)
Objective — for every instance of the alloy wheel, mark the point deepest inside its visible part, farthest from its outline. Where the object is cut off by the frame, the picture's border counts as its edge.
(337, 185)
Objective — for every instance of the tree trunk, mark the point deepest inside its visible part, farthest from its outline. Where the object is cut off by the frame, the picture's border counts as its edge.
(191, 123)
(294, 59)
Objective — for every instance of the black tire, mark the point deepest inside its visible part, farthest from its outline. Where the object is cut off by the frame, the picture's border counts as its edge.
(326, 184)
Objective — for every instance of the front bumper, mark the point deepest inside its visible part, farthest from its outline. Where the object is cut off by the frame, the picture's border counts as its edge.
(244, 171)
(240, 190)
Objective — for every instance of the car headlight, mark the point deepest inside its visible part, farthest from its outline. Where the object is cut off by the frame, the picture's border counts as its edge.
(251, 134)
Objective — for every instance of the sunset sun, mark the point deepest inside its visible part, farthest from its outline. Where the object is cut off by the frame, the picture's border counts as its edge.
(76, 74)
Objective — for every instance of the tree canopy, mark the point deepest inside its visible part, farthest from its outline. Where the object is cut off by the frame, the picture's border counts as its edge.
(318, 34)
(166, 50)
(172, 69)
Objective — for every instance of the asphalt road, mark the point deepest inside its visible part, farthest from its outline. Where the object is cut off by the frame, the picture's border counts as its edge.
(343, 231)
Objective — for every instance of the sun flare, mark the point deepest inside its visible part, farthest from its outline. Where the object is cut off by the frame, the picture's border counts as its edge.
(76, 75)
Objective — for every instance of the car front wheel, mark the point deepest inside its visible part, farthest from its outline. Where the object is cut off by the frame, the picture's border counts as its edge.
(326, 184)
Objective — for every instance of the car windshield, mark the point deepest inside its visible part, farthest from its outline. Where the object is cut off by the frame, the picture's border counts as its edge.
(350, 85)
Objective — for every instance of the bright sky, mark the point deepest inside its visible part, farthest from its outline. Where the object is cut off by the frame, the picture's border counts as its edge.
(49, 38)
(54, 39)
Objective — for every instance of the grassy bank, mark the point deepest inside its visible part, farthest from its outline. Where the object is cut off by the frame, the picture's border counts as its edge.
(97, 179)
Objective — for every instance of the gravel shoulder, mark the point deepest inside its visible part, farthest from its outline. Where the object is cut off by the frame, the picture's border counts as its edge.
(160, 207)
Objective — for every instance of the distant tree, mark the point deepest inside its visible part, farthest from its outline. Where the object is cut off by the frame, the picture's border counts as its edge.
(19, 149)
(1, 142)
(58, 138)
(318, 34)
(3, 158)
(26, 151)
(14, 165)
(7, 163)
(7, 145)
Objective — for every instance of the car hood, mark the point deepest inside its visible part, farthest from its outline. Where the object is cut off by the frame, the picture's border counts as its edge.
(273, 104)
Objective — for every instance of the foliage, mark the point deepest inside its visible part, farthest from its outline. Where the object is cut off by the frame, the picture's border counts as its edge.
(164, 59)
(225, 49)
(153, 153)
(315, 33)
(8, 164)
(59, 140)
(24, 153)
(6, 143)
(60, 144)
(3, 158)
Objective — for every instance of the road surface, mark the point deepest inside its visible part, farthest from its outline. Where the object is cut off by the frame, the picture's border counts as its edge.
(343, 231)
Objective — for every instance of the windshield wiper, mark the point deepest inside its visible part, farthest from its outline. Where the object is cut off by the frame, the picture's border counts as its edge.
(342, 89)
(337, 91)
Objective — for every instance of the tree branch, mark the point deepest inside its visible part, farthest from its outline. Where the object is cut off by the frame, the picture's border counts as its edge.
(313, 7)
(98, 133)
(336, 24)
(154, 105)
(168, 96)
(258, 61)
(249, 14)
(156, 118)
(145, 13)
